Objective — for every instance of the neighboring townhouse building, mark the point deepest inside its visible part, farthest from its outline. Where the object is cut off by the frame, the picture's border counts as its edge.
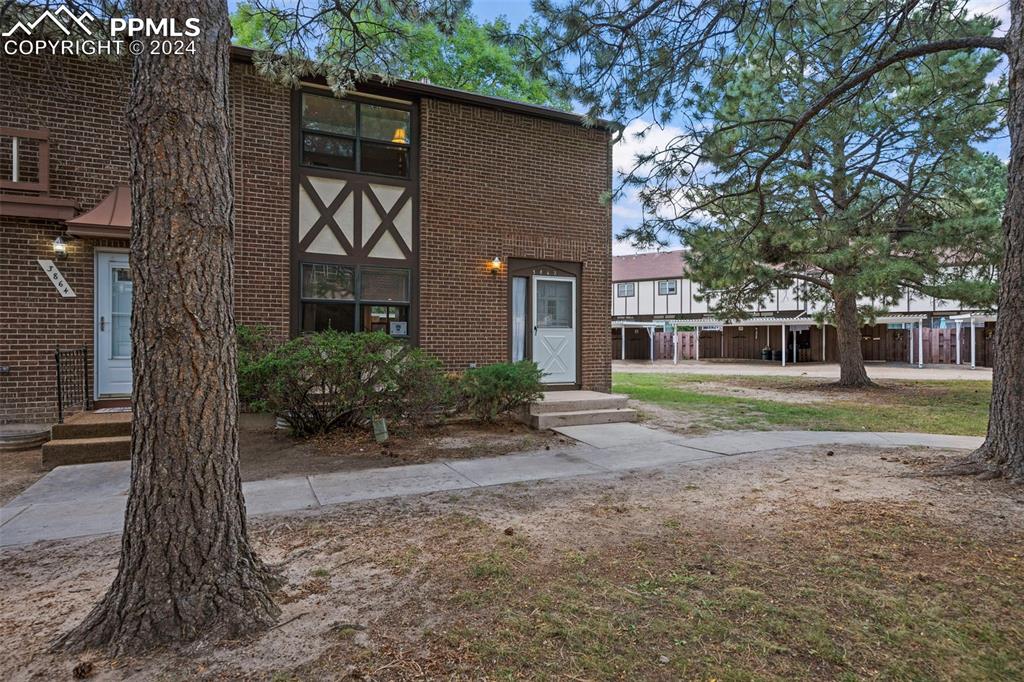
(470, 226)
(651, 292)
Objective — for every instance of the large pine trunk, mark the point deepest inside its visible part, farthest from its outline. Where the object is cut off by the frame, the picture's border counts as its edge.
(852, 373)
(1003, 449)
(187, 569)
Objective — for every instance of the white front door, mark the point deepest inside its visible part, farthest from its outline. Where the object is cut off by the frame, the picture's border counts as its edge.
(554, 328)
(113, 325)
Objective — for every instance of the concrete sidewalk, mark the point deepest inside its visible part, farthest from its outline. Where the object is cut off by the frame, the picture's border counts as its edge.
(89, 499)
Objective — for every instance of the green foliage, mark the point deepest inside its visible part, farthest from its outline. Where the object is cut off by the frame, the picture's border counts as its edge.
(320, 382)
(881, 195)
(495, 390)
(876, 192)
(254, 343)
(466, 55)
(471, 59)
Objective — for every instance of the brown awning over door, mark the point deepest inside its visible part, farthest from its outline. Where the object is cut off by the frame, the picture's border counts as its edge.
(111, 219)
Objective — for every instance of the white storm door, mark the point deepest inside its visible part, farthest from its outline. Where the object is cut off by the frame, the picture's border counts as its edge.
(113, 325)
(554, 328)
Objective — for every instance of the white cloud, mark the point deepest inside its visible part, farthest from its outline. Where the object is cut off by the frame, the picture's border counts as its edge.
(999, 9)
(639, 137)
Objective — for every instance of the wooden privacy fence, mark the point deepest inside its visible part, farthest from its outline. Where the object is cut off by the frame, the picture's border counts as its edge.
(663, 345)
(940, 346)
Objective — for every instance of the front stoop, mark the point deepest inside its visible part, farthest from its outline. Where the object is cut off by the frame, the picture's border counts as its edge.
(89, 437)
(578, 408)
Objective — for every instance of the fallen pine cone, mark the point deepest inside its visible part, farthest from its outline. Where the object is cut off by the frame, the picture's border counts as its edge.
(82, 670)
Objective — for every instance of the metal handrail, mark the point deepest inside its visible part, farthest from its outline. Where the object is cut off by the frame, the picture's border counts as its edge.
(72, 379)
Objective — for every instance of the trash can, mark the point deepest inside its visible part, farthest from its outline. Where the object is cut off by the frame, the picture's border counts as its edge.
(766, 354)
(777, 355)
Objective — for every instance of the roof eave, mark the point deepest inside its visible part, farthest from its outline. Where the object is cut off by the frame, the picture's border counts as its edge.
(245, 54)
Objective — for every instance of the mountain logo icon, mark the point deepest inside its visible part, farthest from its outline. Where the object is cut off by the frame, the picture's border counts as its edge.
(62, 17)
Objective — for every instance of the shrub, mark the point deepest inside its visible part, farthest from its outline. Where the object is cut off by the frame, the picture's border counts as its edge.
(253, 345)
(494, 390)
(323, 381)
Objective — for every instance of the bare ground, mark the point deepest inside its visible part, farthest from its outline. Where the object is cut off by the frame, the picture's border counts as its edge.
(266, 452)
(803, 564)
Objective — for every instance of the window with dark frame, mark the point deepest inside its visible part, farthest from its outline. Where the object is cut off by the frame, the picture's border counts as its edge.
(667, 287)
(625, 289)
(349, 135)
(350, 298)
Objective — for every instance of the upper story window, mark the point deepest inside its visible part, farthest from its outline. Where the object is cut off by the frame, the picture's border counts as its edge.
(667, 287)
(355, 136)
(625, 289)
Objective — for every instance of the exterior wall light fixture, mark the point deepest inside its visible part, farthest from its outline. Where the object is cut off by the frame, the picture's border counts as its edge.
(495, 266)
(60, 247)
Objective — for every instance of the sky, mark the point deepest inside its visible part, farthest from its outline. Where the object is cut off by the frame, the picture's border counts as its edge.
(626, 210)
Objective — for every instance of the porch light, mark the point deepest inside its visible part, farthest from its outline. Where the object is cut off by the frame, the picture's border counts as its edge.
(495, 265)
(60, 247)
(400, 137)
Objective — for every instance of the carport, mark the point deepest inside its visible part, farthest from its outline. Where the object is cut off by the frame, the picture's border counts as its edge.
(790, 327)
(970, 318)
(651, 327)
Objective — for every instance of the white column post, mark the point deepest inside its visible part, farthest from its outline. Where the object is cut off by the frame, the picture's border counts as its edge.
(957, 341)
(675, 346)
(920, 343)
(696, 344)
(795, 354)
(973, 356)
(783, 345)
(910, 342)
(823, 328)
(622, 338)
(650, 336)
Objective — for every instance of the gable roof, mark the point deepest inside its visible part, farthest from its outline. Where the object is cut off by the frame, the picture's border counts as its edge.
(660, 265)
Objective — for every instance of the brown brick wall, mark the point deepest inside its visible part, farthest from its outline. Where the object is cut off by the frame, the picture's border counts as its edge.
(491, 184)
(515, 186)
(82, 103)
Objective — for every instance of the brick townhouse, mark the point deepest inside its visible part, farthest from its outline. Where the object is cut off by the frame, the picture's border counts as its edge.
(471, 226)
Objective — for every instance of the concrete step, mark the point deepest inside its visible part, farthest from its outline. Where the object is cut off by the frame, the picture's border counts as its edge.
(552, 420)
(93, 425)
(98, 430)
(86, 450)
(577, 401)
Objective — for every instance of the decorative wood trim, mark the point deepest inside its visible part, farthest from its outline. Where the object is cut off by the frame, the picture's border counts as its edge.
(27, 206)
(357, 185)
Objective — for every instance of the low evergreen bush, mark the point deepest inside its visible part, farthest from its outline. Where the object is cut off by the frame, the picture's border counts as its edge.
(495, 390)
(319, 382)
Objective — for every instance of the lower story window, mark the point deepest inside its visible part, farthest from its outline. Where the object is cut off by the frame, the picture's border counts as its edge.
(392, 319)
(351, 298)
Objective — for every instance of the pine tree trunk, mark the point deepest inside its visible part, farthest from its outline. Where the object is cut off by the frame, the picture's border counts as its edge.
(852, 373)
(187, 569)
(1003, 449)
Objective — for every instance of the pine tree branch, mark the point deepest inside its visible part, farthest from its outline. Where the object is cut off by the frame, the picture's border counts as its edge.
(968, 43)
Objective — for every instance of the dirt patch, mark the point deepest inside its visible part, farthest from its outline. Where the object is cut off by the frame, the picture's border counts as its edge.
(796, 564)
(739, 388)
(19, 470)
(266, 452)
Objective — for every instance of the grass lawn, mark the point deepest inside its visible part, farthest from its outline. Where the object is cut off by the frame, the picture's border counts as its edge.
(710, 402)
